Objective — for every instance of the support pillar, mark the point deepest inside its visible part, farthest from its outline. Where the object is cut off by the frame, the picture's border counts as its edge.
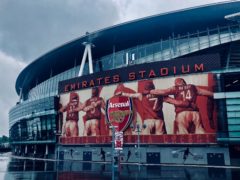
(83, 62)
(90, 62)
(46, 151)
(26, 149)
(20, 150)
(15, 150)
(45, 165)
(87, 52)
(24, 165)
(35, 150)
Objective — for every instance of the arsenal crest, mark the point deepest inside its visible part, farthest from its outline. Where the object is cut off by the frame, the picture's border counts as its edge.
(119, 112)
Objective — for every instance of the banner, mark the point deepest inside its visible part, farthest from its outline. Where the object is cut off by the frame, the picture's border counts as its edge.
(176, 109)
(118, 140)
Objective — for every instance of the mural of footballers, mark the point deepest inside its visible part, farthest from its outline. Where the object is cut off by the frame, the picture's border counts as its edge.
(188, 119)
(93, 116)
(70, 127)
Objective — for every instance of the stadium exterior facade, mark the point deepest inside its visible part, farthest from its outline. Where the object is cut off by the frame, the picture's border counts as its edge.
(200, 45)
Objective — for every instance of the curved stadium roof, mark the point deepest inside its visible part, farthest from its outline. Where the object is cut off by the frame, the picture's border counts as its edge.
(123, 36)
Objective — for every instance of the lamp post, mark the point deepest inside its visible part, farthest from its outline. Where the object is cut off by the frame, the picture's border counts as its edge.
(58, 153)
(58, 135)
(138, 142)
(113, 150)
(138, 130)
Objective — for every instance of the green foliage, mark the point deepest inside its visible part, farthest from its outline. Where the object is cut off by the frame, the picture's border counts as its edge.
(4, 139)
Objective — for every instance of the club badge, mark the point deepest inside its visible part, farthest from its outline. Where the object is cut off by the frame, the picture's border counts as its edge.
(119, 112)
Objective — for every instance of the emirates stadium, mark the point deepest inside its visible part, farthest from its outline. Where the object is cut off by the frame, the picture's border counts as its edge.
(164, 89)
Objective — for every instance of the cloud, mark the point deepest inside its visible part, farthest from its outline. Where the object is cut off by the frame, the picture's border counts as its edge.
(134, 9)
(9, 69)
(29, 28)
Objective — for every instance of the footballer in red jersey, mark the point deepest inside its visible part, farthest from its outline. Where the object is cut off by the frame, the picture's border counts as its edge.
(70, 127)
(93, 107)
(152, 114)
(188, 119)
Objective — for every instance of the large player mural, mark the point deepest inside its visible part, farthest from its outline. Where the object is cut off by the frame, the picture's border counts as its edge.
(172, 106)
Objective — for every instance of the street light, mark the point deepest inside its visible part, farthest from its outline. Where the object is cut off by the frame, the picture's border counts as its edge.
(113, 150)
(138, 129)
(57, 136)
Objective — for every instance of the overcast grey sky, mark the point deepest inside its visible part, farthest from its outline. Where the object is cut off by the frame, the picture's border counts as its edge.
(30, 28)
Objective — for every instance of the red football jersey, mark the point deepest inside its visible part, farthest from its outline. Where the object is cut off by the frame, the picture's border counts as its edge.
(185, 93)
(94, 113)
(71, 115)
(152, 107)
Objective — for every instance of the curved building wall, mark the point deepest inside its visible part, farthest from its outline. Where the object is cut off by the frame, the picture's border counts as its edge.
(50, 86)
(34, 120)
(159, 51)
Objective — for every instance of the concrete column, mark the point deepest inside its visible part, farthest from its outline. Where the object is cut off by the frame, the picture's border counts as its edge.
(20, 150)
(24, 165)
(33, 174)
(45, 165)
(46, 151)
(127, 61)
(35, 150)
(26, 149)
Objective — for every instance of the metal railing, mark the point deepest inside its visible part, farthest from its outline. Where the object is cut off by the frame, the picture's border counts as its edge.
(172, 48)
